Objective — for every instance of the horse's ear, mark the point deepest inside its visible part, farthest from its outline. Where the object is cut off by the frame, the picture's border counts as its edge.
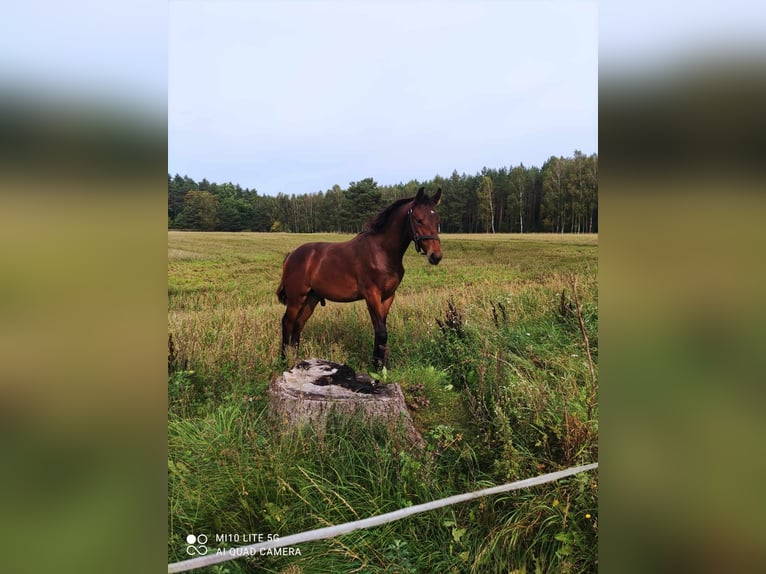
(421, 195)
(438, 197)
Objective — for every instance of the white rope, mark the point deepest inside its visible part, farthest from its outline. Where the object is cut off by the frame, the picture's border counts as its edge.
(332, 531)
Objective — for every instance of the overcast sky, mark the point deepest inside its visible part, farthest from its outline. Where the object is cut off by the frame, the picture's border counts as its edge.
(294, 97)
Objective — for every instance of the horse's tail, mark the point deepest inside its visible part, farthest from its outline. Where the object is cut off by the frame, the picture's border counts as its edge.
(281, 293)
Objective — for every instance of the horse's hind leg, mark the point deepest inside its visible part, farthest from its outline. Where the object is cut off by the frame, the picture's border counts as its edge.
(295, 317)
(288, 324)
(307, 309)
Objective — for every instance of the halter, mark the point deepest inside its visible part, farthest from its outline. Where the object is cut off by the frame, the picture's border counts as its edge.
(416, 237)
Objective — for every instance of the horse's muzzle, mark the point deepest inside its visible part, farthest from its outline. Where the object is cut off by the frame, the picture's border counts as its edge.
(434, 258)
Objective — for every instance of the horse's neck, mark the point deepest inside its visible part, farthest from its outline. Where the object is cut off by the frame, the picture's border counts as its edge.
(398, 237)
(395, 239)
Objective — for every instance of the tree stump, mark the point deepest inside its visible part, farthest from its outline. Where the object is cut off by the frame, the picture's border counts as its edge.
(308, 392)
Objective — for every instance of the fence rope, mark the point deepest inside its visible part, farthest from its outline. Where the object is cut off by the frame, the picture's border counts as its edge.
(332, 531)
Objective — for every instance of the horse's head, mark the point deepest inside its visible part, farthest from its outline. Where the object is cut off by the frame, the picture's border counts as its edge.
(424, 225)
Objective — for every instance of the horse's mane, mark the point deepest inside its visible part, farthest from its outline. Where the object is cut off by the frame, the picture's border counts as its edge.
(380, 221)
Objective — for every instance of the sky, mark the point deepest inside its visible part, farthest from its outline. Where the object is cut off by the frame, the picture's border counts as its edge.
(112, 52)
(295, 97)
(655, 35)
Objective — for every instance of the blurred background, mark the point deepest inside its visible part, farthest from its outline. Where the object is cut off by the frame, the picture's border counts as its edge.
(681, 92)
(83, 285)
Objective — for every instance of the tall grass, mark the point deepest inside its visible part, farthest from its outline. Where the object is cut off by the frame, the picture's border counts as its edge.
(488, 349)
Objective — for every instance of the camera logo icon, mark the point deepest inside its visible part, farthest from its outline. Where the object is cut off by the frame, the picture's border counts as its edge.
(196, 544)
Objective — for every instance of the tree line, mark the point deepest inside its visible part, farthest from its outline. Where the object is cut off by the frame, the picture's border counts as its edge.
(559, 197)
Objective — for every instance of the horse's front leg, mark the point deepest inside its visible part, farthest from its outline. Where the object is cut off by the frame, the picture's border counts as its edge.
(380, 348)
(378, 309)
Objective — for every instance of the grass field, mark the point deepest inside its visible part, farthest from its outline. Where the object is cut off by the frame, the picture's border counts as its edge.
(490, 352)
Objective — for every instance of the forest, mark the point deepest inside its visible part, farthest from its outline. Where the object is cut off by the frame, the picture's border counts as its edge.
(559, 197)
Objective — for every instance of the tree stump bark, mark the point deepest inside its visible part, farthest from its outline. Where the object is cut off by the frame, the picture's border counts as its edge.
(308, 392)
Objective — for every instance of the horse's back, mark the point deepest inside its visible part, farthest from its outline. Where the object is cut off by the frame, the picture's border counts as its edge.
(329, 269)
(301, 256)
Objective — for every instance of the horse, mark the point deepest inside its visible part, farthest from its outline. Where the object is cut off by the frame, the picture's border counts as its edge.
(368, 266)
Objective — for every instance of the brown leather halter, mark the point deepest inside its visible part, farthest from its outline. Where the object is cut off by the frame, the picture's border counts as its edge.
(416, 237)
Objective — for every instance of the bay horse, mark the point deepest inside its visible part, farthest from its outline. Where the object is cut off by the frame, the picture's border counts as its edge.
(368, 266)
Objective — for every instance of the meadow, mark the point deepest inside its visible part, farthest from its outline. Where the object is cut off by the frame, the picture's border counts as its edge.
(496, 350)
